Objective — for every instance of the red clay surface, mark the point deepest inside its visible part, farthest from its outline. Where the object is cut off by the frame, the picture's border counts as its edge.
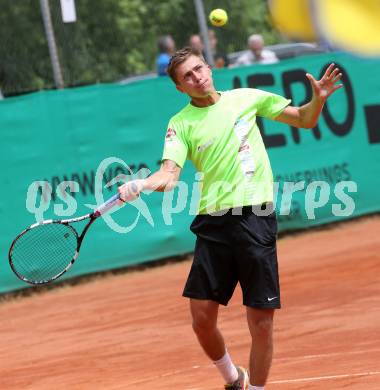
(133, 331)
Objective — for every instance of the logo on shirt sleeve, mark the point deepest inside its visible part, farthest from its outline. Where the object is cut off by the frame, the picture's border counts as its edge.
(170, 133)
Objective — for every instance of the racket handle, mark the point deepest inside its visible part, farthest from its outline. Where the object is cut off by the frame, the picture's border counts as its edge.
(109, 204)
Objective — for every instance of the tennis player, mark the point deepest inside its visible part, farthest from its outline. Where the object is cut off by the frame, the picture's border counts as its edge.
(236, 225)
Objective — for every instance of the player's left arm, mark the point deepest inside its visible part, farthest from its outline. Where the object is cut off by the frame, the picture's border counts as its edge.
(307, 115)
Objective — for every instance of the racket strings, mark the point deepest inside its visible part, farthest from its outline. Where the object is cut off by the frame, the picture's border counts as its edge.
(44, 251)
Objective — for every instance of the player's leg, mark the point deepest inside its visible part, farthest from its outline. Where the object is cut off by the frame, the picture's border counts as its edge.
(260, 322)
(205, 315)
(211, 282)
(256, 255)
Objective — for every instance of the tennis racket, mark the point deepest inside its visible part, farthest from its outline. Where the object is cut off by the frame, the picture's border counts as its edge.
(46, 250)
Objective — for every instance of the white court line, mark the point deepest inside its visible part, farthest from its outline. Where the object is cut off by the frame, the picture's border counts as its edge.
(321, 378)
(295, 358)
(317, 378)
(322, 355)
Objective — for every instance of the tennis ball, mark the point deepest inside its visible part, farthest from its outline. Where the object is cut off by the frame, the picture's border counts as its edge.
(218, 17)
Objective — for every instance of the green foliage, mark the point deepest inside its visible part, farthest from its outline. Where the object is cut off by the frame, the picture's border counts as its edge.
(112, 39)
(245, 17)
(24, 55)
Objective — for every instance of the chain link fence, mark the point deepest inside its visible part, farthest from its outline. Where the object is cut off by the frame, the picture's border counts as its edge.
(111, 40)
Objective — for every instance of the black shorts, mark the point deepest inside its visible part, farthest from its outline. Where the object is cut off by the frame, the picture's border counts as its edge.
(235, 248)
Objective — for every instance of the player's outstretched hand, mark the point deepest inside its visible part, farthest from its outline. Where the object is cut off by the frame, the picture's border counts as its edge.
(131, 190)
(327, 85)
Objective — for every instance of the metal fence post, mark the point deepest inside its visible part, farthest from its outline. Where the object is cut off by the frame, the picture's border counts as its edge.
(203, 30)
(57, 72)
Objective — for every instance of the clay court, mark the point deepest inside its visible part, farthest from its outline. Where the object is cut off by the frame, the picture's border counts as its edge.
(132, 330)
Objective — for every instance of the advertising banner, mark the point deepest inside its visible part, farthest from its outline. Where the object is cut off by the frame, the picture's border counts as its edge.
(64, 152)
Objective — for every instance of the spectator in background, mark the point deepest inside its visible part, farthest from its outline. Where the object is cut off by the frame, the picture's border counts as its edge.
(256, 54)
(166, 47)
(220, 59)
(196, 43)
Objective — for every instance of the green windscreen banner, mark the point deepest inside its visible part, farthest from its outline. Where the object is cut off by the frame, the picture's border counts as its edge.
(64, 152)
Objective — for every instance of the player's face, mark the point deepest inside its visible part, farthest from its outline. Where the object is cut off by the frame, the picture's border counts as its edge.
(194, 78)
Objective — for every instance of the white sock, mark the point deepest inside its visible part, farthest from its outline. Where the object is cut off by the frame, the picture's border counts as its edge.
(251, 387)
(227, 368)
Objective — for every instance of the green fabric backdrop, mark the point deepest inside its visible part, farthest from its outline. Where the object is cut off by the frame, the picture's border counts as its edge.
(64, 135)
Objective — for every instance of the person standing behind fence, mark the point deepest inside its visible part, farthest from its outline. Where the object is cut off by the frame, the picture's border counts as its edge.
(220, 59)
(257, 54)
(196, 43)
(166, 47)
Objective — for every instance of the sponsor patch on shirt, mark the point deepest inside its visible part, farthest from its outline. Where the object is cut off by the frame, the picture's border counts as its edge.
(244, 147)
(170, 133)
(201, 148)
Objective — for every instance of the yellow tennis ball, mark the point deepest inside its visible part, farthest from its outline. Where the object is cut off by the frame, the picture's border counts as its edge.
(218, 17)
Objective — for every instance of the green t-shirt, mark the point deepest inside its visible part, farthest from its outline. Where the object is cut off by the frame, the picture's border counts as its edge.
(225, 145)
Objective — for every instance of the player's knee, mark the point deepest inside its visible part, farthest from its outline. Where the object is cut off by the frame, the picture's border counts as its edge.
(202, 324)
(262, 327)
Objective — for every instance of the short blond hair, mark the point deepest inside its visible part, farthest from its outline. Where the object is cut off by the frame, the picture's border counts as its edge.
(178, 58)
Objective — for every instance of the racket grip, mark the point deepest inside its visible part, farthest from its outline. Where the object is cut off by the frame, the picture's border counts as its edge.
(109, 204)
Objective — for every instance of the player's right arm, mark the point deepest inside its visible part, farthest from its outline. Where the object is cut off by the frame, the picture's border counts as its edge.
(165, 179)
